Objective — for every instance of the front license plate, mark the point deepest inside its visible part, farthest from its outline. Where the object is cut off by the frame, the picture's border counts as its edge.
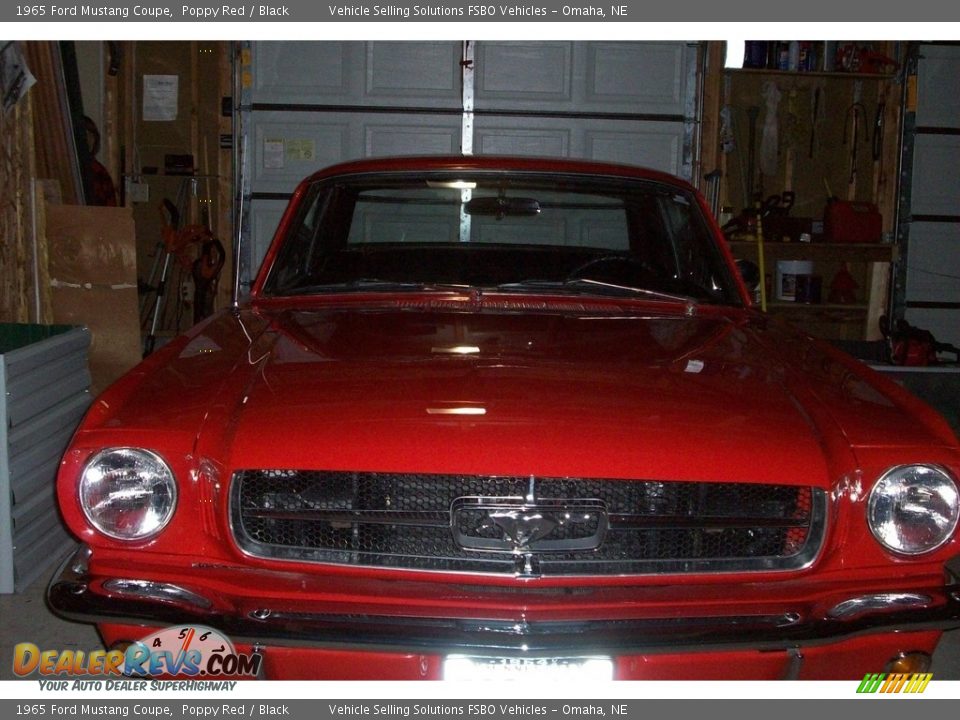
(472, 667)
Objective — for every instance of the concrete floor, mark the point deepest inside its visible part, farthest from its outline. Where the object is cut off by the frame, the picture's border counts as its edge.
(25, 618)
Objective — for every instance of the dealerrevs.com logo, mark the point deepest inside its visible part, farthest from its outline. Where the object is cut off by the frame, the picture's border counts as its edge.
(895, 683)
(192, 651)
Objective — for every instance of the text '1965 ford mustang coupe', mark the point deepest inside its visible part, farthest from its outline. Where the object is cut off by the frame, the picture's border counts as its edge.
(495, 415)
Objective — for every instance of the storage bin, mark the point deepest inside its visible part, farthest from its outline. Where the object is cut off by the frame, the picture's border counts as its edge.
(44, 393)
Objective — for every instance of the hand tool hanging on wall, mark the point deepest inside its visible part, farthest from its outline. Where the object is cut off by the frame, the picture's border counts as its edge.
(753, 112)
(814, 119)
(728, 141)
(851, 136)
(854, 120)
(791, 139)
(769, 140)
(878, 121)
(729, 137)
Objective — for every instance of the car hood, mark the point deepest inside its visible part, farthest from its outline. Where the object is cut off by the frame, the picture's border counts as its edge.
(661, 396)
(550, 394)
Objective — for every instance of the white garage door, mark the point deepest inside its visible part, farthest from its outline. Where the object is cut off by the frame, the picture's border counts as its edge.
(309, 105)
(932, 218)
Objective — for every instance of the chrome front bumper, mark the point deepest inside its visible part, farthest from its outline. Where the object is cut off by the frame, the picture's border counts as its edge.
(75, 594)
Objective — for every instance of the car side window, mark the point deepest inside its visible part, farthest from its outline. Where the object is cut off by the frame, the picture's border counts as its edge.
(298, 253)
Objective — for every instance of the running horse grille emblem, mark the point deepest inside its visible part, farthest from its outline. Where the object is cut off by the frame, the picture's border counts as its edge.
(515, 526)
(521, 526)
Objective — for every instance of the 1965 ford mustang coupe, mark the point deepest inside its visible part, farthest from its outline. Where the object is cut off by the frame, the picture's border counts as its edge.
(500, 415)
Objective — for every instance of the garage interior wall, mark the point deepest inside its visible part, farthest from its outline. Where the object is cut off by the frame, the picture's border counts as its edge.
(179, 158)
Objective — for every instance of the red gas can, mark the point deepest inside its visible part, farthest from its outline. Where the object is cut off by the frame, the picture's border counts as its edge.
(852, 222)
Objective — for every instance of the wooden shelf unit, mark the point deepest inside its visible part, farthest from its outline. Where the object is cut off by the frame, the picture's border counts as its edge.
(868, 263)
(819, 251)
(807, 165)
(812, 74)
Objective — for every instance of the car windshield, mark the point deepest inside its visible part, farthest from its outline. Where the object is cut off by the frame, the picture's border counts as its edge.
(517, 232)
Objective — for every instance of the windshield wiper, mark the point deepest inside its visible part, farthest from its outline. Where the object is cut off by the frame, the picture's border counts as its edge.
(358, 285)
(376, 284)
(604, 288)
(689, 300)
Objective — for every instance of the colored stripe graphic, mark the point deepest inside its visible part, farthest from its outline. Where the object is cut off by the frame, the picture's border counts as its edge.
(922, 682)
(871, 682)
(894, 683)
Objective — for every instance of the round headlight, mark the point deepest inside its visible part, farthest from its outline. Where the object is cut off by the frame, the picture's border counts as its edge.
(913, 509)
(127, 493)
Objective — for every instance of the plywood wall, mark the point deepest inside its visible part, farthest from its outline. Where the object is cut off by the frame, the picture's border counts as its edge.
(19, 299)
(52, 127)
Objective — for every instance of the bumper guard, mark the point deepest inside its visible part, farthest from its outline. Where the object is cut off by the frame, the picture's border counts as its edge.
(77, 595)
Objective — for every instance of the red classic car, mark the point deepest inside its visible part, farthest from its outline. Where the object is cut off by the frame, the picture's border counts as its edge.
(513, 415)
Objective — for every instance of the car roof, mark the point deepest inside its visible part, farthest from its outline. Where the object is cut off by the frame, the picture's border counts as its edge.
(439, 163)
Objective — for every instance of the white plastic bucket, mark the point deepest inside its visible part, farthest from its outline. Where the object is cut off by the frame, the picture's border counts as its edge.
(787, 271)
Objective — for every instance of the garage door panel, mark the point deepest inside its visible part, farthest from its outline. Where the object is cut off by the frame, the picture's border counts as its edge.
(286, 152)
(652, 144)
(423, 135)
(936, 175)
(939, 68)
(424, 73)
(658, 150)
(934, 250)
(616, 77)
(648, 76)
(496, 138)
(522, 72)
(307, 72)
(383, 74)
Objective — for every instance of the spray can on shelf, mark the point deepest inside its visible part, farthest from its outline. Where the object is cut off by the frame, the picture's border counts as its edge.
(807, 62)
(783, 55)
(793, 56)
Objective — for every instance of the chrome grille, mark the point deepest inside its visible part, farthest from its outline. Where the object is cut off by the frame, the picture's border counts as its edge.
(524, 525)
